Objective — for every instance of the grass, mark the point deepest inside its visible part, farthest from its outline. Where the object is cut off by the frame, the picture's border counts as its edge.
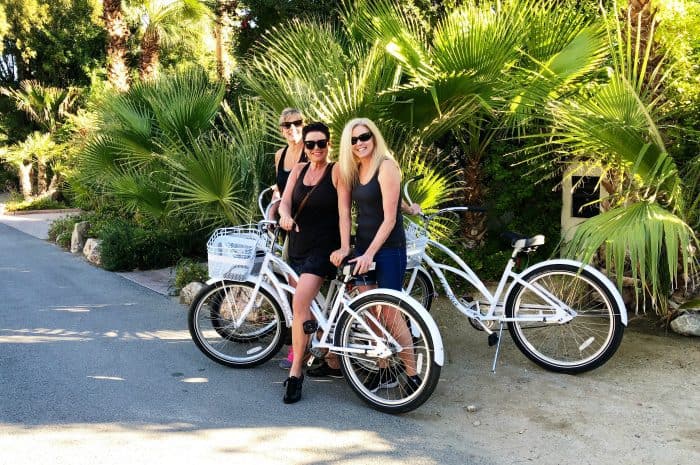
(39, 203)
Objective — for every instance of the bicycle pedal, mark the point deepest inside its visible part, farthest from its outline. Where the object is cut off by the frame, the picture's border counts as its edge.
(493, 339)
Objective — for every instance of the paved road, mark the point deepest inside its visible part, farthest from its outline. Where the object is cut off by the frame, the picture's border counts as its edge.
(95, 369)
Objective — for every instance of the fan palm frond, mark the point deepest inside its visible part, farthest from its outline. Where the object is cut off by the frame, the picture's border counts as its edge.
(643, 234)
(210, 183)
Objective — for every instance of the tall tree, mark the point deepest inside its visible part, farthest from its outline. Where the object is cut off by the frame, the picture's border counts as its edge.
(225, 15)
(117, 37)
(164, 22)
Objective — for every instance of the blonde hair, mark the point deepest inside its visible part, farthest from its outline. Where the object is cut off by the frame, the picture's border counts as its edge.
(287, 112)
(348, 162)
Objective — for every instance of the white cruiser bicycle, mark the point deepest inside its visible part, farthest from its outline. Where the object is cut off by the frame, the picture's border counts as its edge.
(239, 320)
(563, 315)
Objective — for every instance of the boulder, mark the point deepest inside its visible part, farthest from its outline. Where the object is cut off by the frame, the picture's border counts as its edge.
(79, 236)
(92, 251)
(188, 293)
(687, 323)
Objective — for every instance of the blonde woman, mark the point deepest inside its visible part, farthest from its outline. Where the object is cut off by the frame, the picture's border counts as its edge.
(371, 179)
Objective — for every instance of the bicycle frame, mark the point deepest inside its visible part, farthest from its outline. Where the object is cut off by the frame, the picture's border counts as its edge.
(326, 317)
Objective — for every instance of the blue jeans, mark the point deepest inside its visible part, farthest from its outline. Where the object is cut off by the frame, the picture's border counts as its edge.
(390, 266)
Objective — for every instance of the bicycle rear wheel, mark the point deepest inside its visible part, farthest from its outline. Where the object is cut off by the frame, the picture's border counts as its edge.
(396, 392)
(422, 290)
(212, 324)
(582, 344)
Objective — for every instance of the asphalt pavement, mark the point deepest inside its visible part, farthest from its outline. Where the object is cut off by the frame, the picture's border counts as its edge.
(96, 369)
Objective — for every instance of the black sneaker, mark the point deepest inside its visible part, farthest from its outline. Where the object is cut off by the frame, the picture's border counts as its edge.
(293, 392)
(412, 384)
(324, 371)
(382, 379)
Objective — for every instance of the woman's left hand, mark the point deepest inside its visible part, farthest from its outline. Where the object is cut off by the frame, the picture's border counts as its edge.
(414, 209)
(363, 263)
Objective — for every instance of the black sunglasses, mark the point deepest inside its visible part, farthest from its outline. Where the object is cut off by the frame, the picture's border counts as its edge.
(310, 144)
(289, 124)
(362, 137)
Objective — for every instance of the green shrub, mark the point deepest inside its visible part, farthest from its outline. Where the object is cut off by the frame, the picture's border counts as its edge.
(188, 270)
(128, 246)
(40, 203)
(62, 226)
(64, 239)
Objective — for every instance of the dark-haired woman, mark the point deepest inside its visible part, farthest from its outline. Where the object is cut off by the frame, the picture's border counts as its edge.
(309, 211)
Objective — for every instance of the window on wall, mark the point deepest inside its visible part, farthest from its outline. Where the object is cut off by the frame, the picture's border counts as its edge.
(586, 190)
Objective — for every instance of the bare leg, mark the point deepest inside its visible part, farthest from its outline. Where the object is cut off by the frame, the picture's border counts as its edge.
(396, 325)
(307, 288)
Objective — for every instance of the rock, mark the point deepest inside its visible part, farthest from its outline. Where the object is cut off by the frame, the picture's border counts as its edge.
(477, 423)
(188, 292)
(471, 408)
(77, 240)
(687, 324)
(92, 251)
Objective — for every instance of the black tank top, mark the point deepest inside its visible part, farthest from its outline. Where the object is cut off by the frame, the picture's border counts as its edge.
(319, 233)
(370, 215)
(282, 175)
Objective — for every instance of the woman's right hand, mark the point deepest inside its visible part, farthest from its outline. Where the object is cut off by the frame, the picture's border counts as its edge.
(286, 223)
(338, 255)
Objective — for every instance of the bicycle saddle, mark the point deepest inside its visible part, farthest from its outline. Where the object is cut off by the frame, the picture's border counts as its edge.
(518, 241)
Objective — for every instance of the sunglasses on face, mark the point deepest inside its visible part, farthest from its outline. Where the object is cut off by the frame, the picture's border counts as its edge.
(362, 137)
(289, 124)
(310, 144)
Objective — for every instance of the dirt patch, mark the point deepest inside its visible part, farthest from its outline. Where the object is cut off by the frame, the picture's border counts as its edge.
(642, 406)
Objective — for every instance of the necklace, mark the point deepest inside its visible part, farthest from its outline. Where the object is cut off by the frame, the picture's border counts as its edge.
(313, 177)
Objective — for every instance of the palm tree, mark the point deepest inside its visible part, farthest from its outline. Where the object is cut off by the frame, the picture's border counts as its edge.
(164, 22)
(117, 37)
(615, 126)
(225, 14)
(158, 153)
(471, 73)
(46, 106)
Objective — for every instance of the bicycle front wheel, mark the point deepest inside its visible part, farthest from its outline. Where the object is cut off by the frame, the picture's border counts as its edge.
(385, 383)
(582, 344)
(213, 323)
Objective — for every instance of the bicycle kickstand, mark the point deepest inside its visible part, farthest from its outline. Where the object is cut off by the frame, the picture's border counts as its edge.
(498, 346)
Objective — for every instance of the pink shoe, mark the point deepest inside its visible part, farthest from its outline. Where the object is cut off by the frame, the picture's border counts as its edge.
(286, 363)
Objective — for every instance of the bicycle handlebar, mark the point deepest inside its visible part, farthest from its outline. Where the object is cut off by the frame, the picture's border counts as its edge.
(405, 187)
(263, 210)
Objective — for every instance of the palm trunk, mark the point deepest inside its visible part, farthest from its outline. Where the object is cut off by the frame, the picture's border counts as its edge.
(474, 223)
(225, 13)
(642, 22)
(150, 55)
(118, 34)
(41, 184)
(25, 179)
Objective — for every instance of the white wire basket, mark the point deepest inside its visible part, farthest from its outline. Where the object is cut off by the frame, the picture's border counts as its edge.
(231, 252)
(416, 241)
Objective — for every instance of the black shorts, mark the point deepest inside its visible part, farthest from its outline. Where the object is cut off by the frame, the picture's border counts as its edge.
(317, 265)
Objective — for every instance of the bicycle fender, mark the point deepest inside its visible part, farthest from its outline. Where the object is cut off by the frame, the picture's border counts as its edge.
(424, 270)
(439, 355)
(563, 261)
(268, 287)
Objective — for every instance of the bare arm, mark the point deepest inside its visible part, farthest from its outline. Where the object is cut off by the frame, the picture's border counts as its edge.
(345, 222)
(285, 208)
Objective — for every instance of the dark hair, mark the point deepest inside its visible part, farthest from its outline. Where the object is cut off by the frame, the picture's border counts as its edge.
(316, 126)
